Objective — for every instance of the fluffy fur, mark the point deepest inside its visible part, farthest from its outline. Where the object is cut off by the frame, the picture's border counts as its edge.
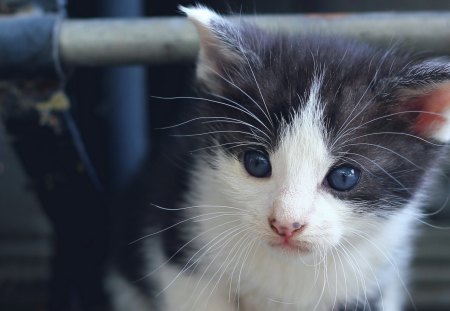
(311, 104)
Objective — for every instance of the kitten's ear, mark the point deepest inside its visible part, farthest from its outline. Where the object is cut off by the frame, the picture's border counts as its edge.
(425, 88)
(222, 47)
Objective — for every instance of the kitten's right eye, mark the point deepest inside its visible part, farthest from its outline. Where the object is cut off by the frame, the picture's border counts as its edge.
(343, 178)
(257, 163)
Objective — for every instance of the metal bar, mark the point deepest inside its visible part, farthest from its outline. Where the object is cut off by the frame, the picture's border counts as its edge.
(26, 46)
(173, 39)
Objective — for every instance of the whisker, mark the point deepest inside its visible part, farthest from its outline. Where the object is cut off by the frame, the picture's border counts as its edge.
(390, 150)
(236, 144)
(358, 163)
(240, 242)
(233, 234)
(375, 76)
(329, 281)
(217, 120)
(198, 206)
(381, 168)
(228, 260)
(249, 249)
(372, 272)
(355, 269)
(360, 273)
(323, 287)
(267, 114)
(237, 121)
(398, 133)
(348, 120)
(235, 231)
(432, 225)
(345, 277)
(348, 131)
(181, 248)
(390, 260)
(259, 139)
(345, 132)
(235, 106)
(174, 225)
(219, 132)
(241, 90)
(235, 103)
(187, 265)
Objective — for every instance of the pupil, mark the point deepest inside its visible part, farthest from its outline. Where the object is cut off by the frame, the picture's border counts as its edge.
(258, 162)
(344, 178)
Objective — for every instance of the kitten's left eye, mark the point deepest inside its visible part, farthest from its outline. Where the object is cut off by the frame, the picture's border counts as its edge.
(343, 178)
(257, 163)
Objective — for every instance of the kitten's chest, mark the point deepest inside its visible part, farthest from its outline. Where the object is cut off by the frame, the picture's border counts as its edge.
(269, 283)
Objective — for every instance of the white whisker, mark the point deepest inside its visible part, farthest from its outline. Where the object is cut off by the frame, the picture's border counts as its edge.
(381, 168)
(234, 106)
(174, 225)
(241, 90)
(390, 150)
(181, 248)
(188, 265)
(267, 114)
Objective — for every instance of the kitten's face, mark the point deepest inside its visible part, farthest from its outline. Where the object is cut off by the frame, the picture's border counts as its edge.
(285, 191)
(318, 142)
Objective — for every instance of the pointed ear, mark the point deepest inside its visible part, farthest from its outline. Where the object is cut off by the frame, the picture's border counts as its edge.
(425, 88)
(222, 47)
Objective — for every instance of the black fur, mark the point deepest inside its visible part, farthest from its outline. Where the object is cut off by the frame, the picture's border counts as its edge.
(353, 74)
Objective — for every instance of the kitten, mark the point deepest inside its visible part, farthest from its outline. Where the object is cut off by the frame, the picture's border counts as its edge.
(305, 163)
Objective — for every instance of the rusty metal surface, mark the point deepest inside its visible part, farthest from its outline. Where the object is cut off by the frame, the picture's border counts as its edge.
(173, 39)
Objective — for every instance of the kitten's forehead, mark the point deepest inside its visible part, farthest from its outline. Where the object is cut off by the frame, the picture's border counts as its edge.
(303, 155)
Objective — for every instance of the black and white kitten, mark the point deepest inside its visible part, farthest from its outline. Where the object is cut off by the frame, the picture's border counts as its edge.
(306, 161)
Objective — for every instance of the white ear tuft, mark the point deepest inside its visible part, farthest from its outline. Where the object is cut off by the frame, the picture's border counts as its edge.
(219, 46)
(224, 46)
(200, 14)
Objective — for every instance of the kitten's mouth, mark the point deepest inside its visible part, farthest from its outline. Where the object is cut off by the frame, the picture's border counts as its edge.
(293, 246)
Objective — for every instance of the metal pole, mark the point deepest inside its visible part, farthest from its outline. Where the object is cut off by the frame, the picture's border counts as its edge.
(173, 39)
(125, 93)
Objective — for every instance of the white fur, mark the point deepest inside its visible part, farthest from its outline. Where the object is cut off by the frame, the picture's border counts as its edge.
(200, 14)
(267, 278)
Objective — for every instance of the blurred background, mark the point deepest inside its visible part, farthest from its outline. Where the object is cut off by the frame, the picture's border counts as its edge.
(60, 168)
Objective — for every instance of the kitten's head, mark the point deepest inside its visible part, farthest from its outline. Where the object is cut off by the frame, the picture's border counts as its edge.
(319, 140)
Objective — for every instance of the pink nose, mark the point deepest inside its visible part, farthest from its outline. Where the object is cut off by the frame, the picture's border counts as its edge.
(286, 229)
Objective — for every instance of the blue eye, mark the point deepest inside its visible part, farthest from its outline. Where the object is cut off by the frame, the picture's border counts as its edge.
(343, 178)
(257, 163)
